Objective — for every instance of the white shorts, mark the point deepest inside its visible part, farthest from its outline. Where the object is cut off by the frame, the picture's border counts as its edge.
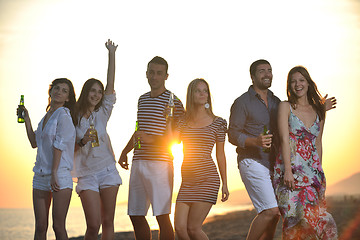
(151, 182)
(257, 180)
(42, 182)
(107, 177)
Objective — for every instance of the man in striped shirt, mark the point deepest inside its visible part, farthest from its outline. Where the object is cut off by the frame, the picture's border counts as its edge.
(151, 177)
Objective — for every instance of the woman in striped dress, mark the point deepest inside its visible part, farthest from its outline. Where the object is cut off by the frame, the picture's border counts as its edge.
(199, 132)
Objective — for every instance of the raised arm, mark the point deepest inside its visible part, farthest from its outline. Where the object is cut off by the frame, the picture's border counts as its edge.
(283, 128)
(109, 89)
(330, 103)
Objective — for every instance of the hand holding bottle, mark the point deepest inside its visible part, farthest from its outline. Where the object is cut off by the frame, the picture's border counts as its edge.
(264, 140)
(90, 136)
(87, 137)
(20, 112)
(93, 133)
(170, 108)
(267, 134)
(137, 143)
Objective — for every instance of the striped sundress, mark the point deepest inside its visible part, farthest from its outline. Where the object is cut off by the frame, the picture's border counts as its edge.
(200, 178)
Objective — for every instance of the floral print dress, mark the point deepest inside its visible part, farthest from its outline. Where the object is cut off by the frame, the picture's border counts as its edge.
(303, 209)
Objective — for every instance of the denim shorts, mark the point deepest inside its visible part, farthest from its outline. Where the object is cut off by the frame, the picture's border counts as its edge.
(42, 182)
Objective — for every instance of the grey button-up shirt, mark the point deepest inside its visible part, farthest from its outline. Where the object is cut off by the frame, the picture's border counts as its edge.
(248, 116)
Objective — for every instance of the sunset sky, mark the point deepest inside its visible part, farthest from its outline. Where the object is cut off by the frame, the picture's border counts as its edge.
(42, 40)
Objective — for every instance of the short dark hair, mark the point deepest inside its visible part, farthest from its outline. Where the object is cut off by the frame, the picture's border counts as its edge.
(159, 60)
(255, 64)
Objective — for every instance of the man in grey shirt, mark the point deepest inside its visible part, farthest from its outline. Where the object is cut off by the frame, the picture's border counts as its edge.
(249, 115)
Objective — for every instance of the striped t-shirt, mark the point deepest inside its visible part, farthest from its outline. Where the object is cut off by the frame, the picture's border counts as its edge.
(151, 119)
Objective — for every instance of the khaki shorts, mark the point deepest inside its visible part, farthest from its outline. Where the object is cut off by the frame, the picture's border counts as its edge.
(151, 182)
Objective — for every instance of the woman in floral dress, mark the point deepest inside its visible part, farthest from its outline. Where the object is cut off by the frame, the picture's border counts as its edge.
(299, 179)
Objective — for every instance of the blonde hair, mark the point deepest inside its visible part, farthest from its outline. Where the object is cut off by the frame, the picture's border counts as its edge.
(190, 106)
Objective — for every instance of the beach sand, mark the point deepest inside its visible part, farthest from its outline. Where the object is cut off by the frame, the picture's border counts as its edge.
(234, 225)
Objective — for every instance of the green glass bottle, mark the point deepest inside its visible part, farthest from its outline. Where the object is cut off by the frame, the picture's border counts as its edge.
(266, 132)
(137, 142)
(21, 112)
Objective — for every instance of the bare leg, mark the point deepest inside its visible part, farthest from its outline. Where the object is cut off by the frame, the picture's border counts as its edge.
(141, 228)
(166, 229)
(91, 204)
(181, 218)
(197, 215)
(41, 205)
(61, 201)
(108, 203)
(271, 228)
(264, 225)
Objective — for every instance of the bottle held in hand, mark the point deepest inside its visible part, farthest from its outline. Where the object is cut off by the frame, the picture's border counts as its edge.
(93, 132)
(137, 142)
(170, 107)
(21, 112)
(266, 132)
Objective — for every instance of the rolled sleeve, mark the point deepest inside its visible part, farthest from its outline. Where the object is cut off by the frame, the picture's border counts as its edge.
(237, 122)
(65, 131)
(108, 104)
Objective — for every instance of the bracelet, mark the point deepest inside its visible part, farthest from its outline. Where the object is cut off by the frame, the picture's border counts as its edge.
(80, 143)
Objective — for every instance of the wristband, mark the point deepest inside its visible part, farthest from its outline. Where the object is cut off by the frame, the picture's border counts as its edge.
(80, 143)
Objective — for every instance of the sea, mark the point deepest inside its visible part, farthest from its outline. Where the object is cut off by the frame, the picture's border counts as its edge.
(18, 224)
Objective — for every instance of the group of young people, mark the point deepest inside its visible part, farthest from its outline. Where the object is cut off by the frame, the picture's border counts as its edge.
(296, 189)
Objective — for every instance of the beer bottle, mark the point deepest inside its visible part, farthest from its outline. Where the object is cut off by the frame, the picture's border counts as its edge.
(21, 112)
(170, 107)
(266, 132)
(137, 142)
(93, 132)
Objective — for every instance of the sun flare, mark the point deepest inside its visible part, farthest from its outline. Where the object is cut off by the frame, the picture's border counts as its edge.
(177, 151)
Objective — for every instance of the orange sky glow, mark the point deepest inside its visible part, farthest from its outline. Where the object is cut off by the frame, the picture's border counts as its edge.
(44, 40)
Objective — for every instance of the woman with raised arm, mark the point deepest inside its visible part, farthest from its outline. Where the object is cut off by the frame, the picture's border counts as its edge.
(55, 140)
(199, 132)
(98, 178)
(299, 179)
